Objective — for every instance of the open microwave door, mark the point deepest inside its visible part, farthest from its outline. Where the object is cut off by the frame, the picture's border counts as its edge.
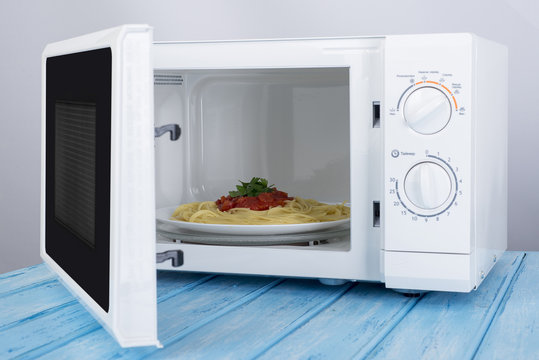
(97, 204)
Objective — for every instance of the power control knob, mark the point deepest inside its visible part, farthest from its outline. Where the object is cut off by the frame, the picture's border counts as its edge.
(427, 185)
(427, 110)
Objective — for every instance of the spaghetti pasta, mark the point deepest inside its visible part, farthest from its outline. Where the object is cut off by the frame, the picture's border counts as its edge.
(296, 211)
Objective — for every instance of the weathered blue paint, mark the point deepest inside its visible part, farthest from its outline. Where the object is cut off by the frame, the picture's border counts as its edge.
(446, 325)
(177, 315)
(258, 322)
(369, 311)
(514, 332)
(205, 316)
(36, 301)
(22, 279)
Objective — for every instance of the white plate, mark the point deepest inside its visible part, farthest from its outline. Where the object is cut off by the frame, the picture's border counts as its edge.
(163, 216)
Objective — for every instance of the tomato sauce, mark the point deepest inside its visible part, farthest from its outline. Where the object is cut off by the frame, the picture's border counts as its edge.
(263, 201)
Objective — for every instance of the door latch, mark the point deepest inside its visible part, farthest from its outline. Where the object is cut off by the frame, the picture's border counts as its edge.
(174, 129)
(175, 255)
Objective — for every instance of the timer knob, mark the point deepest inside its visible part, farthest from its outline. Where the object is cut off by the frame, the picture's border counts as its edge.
(427, 110)
(427, 185)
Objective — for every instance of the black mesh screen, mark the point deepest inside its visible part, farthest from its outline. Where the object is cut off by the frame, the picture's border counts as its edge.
(77, 178)
(74, 168)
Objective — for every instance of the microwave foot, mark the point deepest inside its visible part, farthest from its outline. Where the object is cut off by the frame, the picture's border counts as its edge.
(332, 282)
(411, 293)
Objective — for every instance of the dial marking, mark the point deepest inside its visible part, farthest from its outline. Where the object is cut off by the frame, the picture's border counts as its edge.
(402, 95)
(399, 197)
(450, 203)
(429, 82)
(449, 91)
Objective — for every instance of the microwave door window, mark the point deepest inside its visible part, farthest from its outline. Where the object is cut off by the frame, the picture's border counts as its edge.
(74, 169)
(78, 143)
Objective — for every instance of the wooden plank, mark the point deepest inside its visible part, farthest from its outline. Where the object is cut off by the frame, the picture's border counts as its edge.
(171, 283)
(246, 332)
(351, 323)
(45, 333)
(20, 306)
(206, 316)
(187, 310)
(448, 325)
(514, 331)
(22, 279)
(32, 338)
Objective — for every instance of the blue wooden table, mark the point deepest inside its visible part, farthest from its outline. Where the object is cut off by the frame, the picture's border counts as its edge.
(205, 316)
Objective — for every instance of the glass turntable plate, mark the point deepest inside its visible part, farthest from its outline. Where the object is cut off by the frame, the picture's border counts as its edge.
(309, 238)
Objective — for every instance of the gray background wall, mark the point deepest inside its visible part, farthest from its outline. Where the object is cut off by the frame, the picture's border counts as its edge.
(26, 26)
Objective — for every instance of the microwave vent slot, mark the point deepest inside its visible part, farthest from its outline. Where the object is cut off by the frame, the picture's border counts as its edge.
(167, 79)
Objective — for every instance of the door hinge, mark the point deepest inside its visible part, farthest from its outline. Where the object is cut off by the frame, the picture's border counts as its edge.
(175, 255)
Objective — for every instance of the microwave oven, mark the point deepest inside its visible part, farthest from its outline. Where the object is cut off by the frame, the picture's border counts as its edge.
(410, 130)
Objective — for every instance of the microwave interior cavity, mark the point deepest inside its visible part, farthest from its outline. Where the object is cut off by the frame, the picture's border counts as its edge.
(288, 125)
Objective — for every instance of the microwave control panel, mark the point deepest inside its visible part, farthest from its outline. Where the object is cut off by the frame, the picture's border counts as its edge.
(428, 143)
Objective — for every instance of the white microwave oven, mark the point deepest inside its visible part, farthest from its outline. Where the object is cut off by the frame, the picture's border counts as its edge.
(410, 130)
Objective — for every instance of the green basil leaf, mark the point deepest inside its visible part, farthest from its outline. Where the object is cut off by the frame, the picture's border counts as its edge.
(254, 187)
